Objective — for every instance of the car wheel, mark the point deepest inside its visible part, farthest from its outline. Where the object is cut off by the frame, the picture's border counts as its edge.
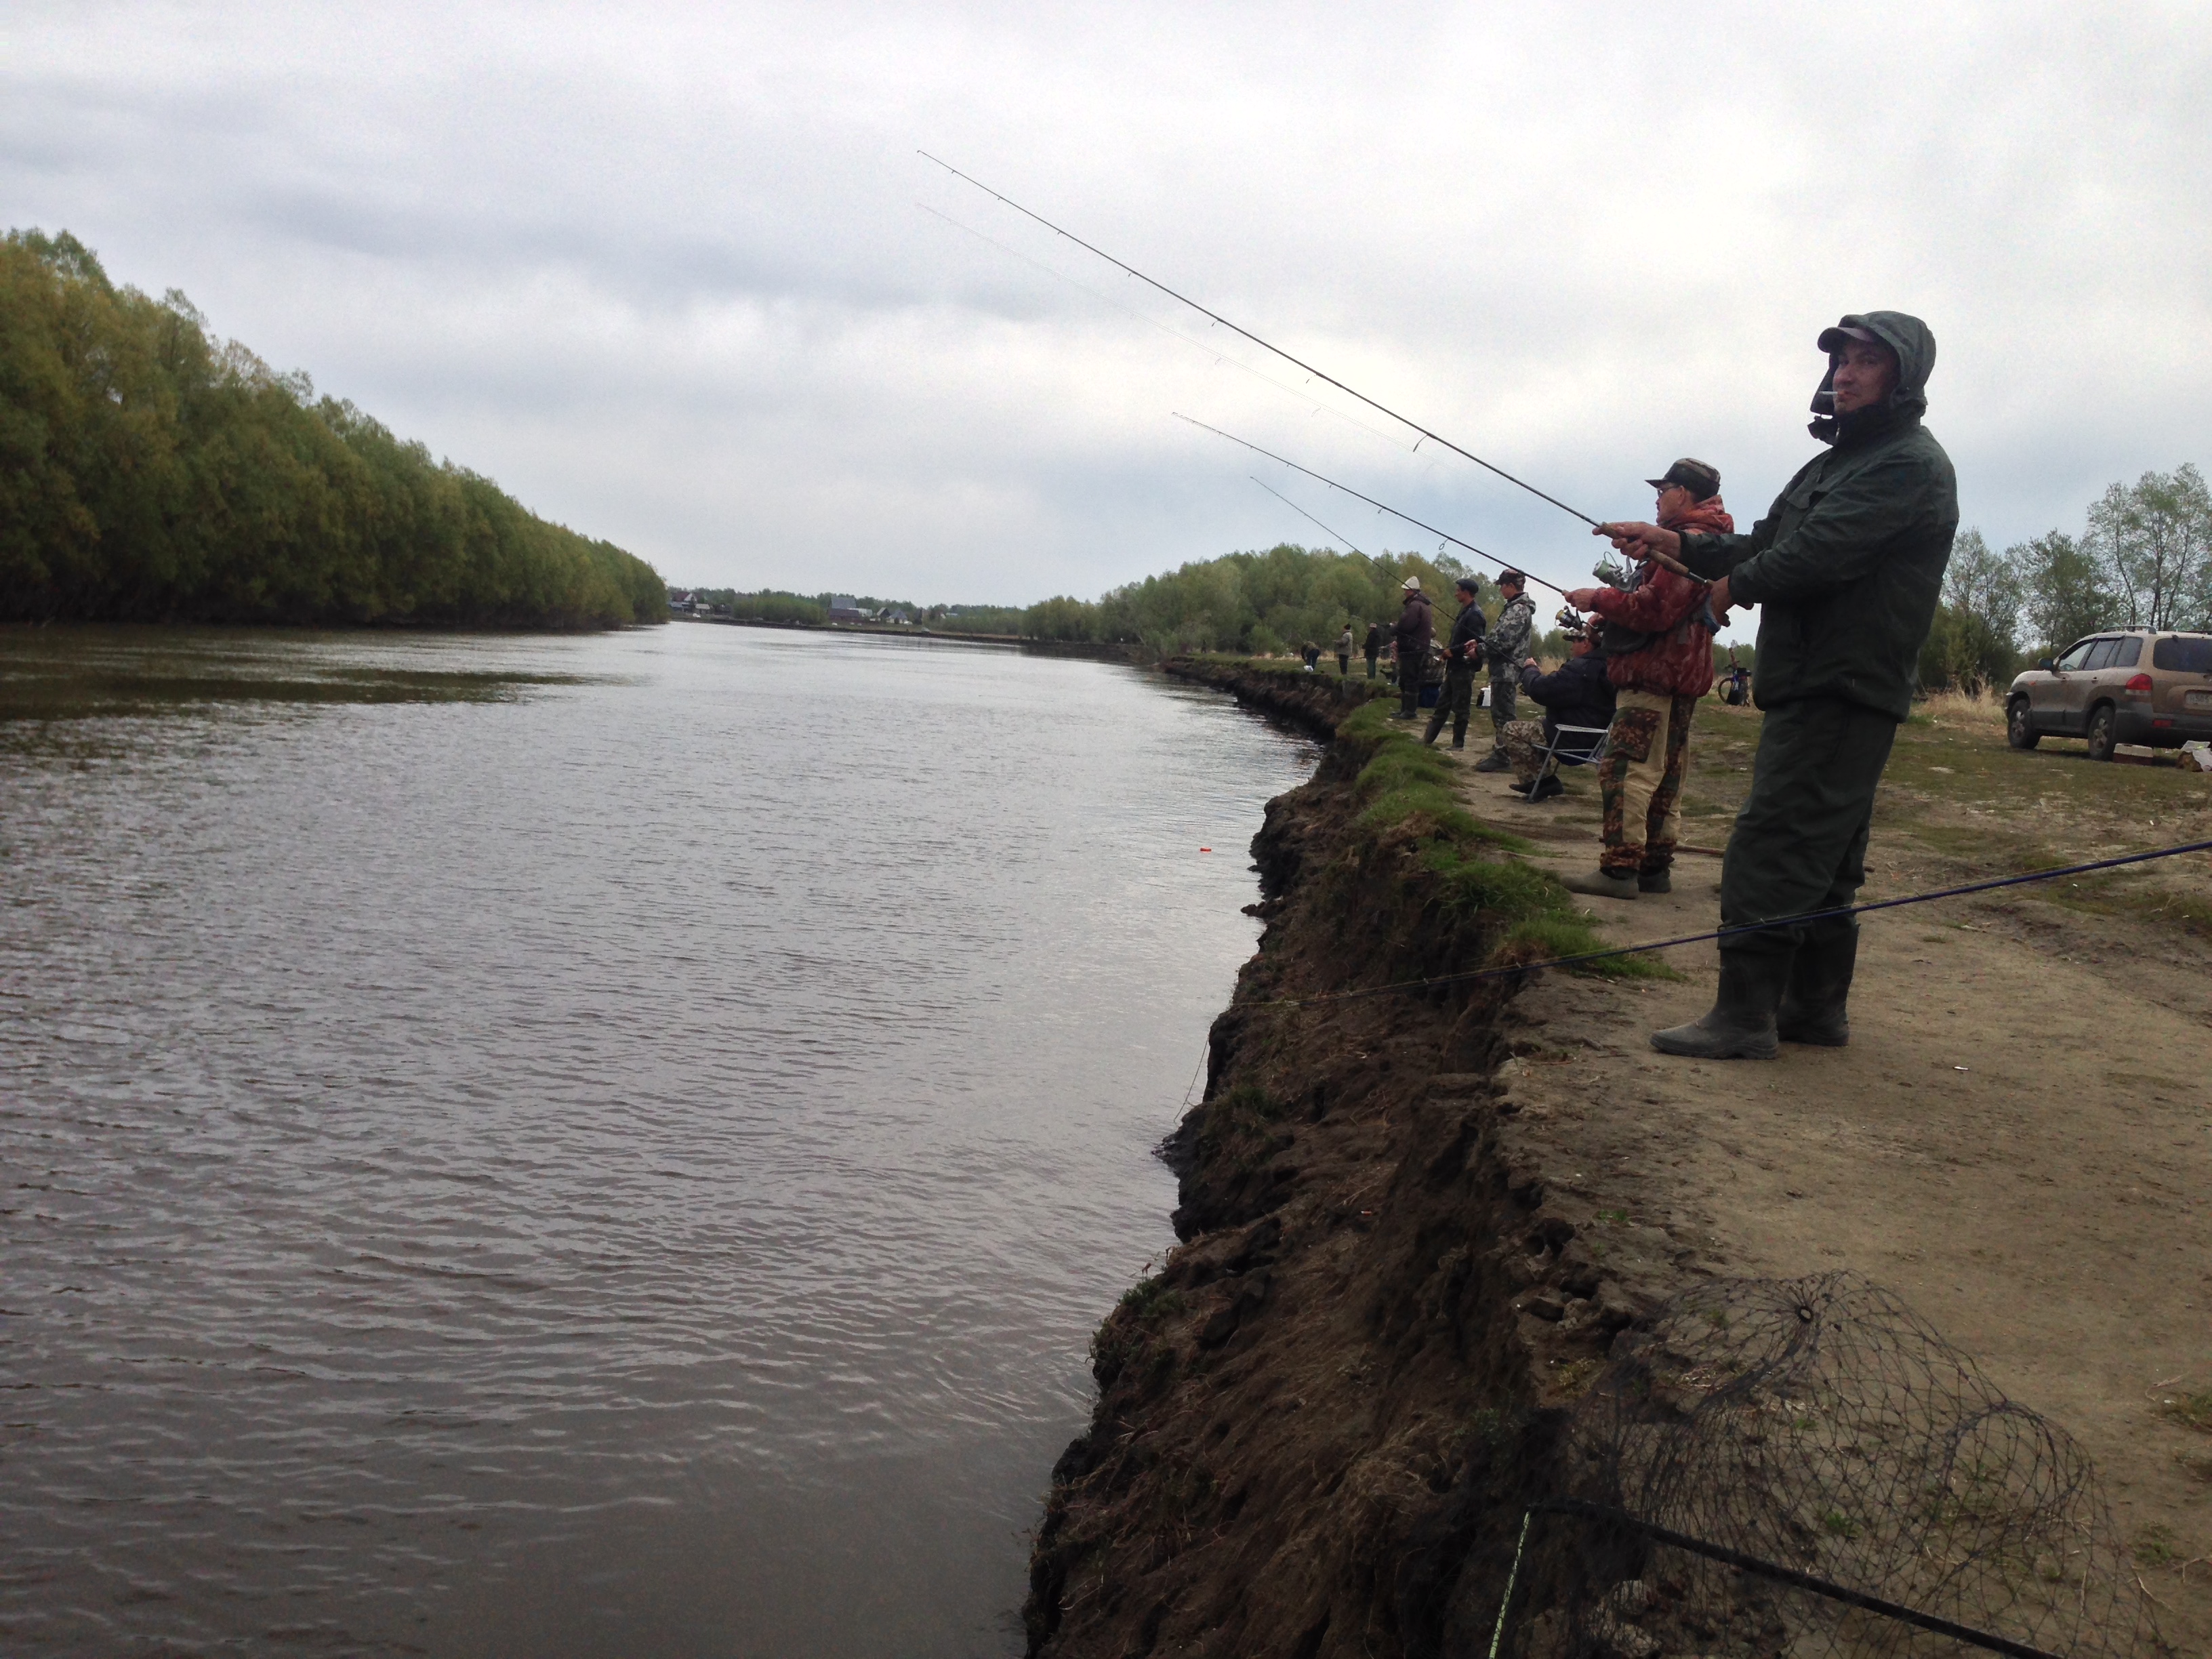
(2020, 725)
(2100, 732)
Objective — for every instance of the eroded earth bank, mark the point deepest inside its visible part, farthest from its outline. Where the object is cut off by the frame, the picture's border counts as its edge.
(1316, 1422)
(1415, 1225)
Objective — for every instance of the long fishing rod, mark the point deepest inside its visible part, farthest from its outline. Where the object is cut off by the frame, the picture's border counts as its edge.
(1380, 507)
(1662, 559)
(1303, 514)
(1265, 345)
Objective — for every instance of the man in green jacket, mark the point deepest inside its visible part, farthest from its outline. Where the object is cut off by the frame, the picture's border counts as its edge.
(1846, 568)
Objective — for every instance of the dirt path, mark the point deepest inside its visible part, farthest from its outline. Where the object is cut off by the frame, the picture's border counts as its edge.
(2018, 1139)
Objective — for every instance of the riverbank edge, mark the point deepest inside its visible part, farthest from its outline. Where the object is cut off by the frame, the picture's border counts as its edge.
(1319, 1422)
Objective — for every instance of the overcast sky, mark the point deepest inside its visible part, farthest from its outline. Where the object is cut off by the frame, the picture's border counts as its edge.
(677, 276)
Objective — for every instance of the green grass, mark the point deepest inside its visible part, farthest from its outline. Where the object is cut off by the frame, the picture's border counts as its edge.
(1406, 785)
(2192, 1411)
(1411, 794)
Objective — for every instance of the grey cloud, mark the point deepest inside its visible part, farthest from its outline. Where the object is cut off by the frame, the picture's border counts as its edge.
(661, 270)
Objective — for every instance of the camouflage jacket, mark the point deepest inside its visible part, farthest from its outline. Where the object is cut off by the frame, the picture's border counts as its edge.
(1508, 637)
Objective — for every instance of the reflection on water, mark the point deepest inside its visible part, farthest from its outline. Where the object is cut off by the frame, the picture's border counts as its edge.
(619, 1153)
(71, 674)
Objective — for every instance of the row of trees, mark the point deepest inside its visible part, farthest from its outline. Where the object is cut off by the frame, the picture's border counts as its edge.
(1249, 603)
(773, 605)
(2144, 560)
(150, 472)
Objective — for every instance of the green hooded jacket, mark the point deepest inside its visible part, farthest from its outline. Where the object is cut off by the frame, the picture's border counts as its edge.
(1847, 565)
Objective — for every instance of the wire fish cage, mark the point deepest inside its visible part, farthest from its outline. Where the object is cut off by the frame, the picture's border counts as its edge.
(1804, 1468)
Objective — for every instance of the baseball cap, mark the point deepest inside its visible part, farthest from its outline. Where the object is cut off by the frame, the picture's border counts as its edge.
(1694, 475)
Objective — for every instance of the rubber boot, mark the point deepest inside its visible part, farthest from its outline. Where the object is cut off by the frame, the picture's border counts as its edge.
(1605, 883)
(1741, 1025)
(1813, 1002)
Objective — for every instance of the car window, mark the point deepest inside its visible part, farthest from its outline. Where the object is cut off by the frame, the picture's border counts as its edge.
(2183, 656)
(2128, 652)
(2072, 659)
(2100, 655)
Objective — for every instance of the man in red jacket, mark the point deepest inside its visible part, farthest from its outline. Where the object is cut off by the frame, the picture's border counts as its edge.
(1658, 638)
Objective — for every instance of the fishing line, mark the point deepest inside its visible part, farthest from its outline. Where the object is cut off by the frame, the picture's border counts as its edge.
(1732, 933)
(1303, 514)
(1380, 507)
(1403, 420)
(1213, 351)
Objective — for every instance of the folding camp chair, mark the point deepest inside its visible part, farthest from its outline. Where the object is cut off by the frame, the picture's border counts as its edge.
(1573, 745)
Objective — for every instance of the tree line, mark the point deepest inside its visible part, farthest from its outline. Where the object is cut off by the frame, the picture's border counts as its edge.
(2143, 560)
(152, 472)
(774, 605)
(1251, 604)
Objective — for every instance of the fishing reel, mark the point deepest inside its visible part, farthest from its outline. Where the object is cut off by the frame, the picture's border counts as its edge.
(1612, 574)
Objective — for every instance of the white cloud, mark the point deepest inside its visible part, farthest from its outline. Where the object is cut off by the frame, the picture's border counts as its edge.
(662, 272)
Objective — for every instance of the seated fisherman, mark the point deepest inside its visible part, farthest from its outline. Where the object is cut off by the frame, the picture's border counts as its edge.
(1576, 693)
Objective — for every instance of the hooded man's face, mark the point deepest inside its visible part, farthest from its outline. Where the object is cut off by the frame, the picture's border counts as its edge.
(1865, 376)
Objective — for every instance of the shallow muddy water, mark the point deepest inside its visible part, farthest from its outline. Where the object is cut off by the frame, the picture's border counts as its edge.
(579, 1146)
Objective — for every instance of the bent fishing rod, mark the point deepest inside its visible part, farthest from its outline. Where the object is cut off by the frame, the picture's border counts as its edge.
(1265, 345)
(1380, 507)
(1303, 514)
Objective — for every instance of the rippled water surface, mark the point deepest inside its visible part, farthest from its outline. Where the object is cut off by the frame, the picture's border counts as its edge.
(579, 1146)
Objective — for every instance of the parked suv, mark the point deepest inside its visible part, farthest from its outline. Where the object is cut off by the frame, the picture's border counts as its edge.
(2130, 685)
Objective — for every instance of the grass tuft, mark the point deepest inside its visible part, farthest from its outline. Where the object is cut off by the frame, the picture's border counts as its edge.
(1411, 796)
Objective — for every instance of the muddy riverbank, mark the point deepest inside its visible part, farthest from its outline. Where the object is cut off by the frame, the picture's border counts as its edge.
(1413, 1227)
(1316, 1421)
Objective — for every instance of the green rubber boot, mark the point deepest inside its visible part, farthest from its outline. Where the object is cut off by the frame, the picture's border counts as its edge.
(1814, 1001)
(1741, 1024)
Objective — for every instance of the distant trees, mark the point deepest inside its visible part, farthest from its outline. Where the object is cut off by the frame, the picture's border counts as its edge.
(151, 472)
(1252, 602)
(2144, 561)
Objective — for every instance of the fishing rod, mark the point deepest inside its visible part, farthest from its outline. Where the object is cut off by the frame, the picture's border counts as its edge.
(1265, 345)
(1303, 514)
(1736, 931)
(1382, 506)
(1653, 554)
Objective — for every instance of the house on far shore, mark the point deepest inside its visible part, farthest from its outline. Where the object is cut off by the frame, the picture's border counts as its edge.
(844, 607)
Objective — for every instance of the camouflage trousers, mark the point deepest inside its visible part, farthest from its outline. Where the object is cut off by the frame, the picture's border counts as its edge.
(1647, 754)
(1523, 742)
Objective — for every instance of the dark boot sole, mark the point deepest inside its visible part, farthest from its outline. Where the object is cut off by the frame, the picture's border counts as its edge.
(1702, 1046)
(1813, 1039)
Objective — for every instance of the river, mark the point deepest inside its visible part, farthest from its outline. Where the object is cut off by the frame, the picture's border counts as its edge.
(579, 1146)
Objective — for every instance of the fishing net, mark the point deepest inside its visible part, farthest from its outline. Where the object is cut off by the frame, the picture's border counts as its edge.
(1783, 1431)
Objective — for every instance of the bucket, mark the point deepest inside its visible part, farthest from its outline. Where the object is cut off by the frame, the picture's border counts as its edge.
(1429, 694)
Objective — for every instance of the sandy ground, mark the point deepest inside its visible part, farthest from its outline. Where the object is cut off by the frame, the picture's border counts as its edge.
(2018, 1138)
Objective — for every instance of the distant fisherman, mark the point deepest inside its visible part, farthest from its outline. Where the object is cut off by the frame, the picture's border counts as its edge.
(1846, 568)
(1462, 658)
(1509, 637)
(1410, 643)
(1658, 638)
